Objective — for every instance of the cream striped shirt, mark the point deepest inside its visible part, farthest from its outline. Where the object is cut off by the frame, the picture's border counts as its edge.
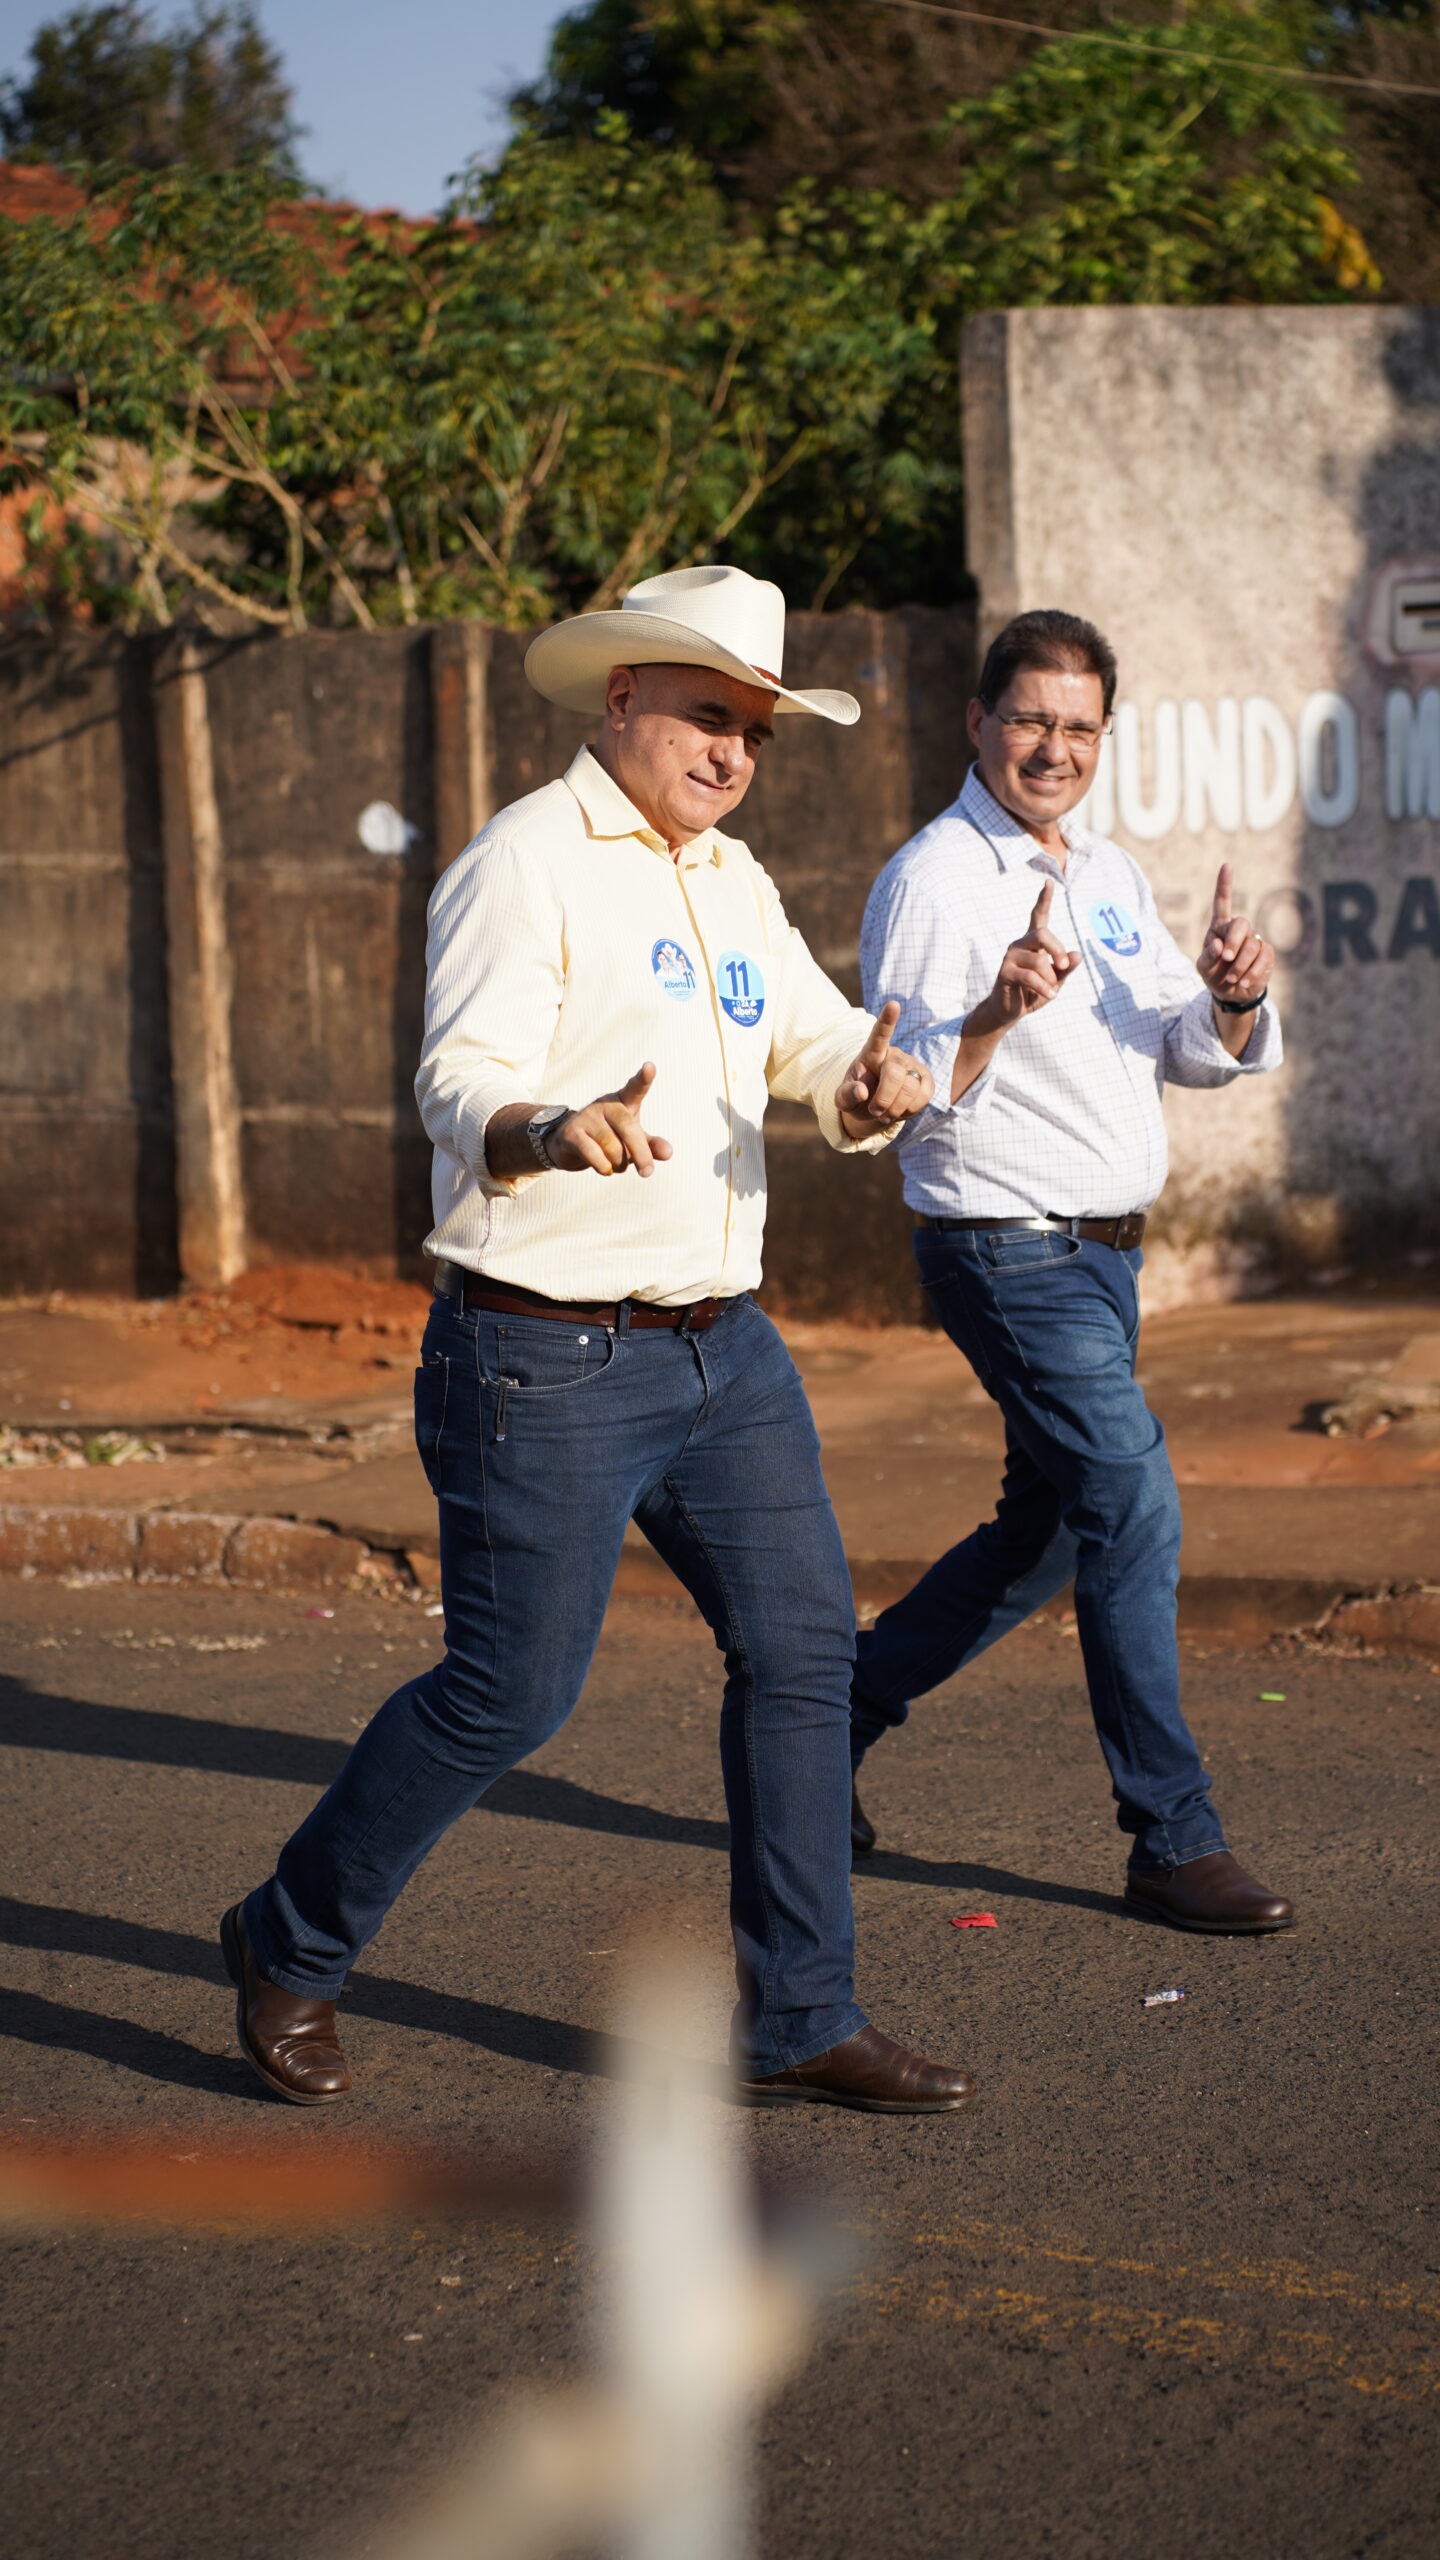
(566, 946)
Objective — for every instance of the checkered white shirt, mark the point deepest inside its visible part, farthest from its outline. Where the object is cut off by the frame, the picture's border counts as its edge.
(1067, 1117)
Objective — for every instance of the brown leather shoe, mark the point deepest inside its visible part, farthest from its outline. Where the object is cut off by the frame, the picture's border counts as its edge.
(862, 1829)
(290, 2043)
(868, 2070)
(1214, 1894)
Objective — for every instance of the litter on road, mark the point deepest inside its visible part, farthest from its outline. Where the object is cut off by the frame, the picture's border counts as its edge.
(319, 1613)
(976, 1920)
(1272, 1697)
(1158, 1999)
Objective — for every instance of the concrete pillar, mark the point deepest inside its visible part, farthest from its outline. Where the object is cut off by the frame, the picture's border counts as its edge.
(987, 436)
(200, 979)
(464, 760)
(1247, 502)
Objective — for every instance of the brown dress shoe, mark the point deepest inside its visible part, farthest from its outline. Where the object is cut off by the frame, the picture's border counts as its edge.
(1214, 1894)
(290, 2043)
(868, 2070)
(862, 1829)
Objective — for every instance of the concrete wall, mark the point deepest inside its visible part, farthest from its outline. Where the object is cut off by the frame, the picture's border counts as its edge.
(1248, 503)
(87, 1194)
(324, 780)
(198, 949)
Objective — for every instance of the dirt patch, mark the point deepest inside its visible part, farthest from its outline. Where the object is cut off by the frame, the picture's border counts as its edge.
(316, 1297)
(299, 1335)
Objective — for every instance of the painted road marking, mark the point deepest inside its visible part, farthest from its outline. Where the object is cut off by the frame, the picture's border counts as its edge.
(1195, 2331)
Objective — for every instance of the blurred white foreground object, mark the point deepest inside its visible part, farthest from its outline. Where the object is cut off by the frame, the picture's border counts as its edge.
(702, 2317)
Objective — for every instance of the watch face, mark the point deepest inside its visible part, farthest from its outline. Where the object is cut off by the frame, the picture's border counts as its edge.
(539, 1131)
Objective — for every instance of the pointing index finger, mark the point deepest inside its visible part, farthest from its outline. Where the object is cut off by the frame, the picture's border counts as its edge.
(873, 1053)
(637, 1086)
(1220, 911)
(1040, 913)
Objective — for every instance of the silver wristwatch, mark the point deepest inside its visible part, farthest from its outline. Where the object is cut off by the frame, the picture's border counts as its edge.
(538, 1129)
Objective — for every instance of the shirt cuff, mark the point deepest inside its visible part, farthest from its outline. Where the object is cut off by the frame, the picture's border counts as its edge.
(824, 1079)
(938, 1050)
(1200, 1041)
(472, 1120)
(1264, 1048)
(844, 1145)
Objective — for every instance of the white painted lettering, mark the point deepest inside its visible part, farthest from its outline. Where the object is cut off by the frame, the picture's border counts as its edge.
(1212, 766)
(1229, 765)
(1153, 818)
(1329, 743)
(1268, 761)
(1412, 754)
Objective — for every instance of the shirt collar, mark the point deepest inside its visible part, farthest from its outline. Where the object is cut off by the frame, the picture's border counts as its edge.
(1011, 843)
(610, 816)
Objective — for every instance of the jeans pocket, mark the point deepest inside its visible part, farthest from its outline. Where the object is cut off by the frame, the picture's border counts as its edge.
(536, 1356)
(943, 1261)
(1028, 1248)
(432, 1394)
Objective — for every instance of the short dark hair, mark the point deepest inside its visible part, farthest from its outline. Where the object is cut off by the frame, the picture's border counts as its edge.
(1059, 640)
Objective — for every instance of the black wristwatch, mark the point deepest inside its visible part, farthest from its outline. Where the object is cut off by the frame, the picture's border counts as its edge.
(539, 1129)
(1223, 1004)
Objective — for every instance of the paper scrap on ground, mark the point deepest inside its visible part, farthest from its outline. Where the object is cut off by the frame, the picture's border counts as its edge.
(976, 1920)
(1158, 1999)
(1272, 1697)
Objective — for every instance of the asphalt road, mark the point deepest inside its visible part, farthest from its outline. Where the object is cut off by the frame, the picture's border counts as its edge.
(1173, 2285)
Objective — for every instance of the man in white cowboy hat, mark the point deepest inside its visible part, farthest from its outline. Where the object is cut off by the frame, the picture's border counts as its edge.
(595, 1354)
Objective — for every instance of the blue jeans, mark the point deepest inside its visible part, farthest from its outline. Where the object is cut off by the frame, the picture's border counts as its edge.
(541, 1440)
(1050, 1325)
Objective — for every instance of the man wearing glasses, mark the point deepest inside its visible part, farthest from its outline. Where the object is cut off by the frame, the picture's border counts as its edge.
(1051, 1006)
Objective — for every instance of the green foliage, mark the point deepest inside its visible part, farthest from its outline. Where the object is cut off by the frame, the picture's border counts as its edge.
(587, 369)
(1091, 176)
(105, 87)
(598, 363)
(1097, 175)
(591, 369)
(679, 71)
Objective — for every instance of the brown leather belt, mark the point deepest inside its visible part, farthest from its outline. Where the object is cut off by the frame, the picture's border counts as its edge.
(504, 1297)
(1123, 1234)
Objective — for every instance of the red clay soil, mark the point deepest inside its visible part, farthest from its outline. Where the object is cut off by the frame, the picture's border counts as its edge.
(297, 1334)
(1239, 1387)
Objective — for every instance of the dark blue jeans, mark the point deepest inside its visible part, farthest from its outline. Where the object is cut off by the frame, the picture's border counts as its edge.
(541, 1440)
(1050, 1326)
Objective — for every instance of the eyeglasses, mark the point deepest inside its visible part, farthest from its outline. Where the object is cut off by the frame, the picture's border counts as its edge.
(1027, 728)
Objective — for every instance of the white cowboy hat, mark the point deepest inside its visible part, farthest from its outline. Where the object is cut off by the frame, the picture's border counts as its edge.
(692, 617)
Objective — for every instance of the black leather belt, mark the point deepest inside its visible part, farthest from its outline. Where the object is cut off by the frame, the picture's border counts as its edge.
(506, 1297)
(1123, 1234)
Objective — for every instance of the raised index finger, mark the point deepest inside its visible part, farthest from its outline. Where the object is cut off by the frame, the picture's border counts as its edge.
(1220, 911)
(1040, 916)
(873, 1053)
(636, 1087)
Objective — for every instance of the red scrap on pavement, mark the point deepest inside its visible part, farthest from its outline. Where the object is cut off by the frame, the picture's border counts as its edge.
(976, 1920)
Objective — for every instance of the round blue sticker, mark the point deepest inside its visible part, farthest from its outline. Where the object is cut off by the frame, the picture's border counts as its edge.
(741, 988)
(1114, 925)
(675, 970)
